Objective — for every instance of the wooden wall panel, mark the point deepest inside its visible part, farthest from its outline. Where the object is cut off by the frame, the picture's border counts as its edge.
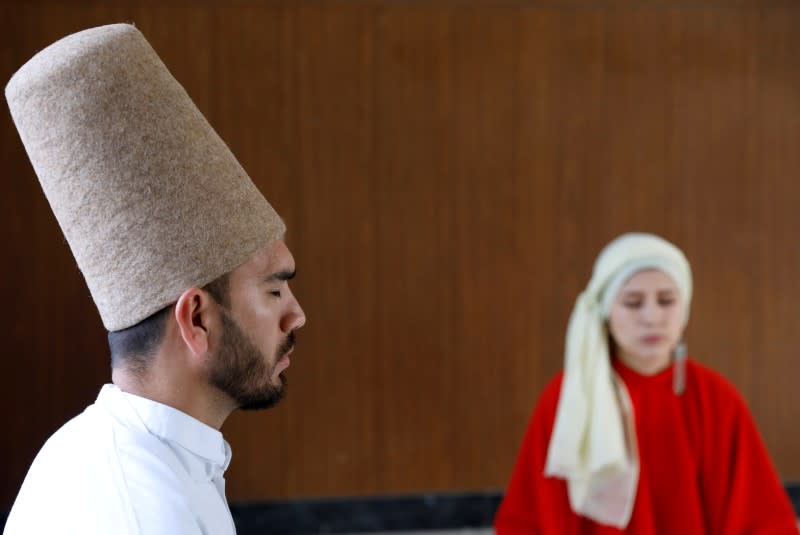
(483, 266)
(412, 160)
(448, 172)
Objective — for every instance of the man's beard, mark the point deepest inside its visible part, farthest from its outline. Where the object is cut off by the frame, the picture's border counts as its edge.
(242, 371)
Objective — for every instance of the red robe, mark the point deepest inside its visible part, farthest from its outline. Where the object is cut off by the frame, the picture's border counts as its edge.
(704, 468)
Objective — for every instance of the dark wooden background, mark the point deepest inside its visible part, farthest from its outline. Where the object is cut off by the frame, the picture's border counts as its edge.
(448, 171)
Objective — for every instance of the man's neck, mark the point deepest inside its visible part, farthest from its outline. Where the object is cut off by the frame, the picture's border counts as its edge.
(197, 400)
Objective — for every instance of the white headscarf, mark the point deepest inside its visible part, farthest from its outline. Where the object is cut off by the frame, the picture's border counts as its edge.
(593, 443)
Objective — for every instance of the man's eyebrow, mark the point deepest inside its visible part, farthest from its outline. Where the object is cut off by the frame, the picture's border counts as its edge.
(284, 275)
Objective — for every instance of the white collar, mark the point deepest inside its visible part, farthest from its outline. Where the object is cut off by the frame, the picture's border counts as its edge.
(209, 453)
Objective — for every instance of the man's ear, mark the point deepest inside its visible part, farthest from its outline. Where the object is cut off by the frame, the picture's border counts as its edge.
(193, 315)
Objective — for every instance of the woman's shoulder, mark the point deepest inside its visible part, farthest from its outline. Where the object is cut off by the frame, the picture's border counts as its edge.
(708, 376)
(712, 385)
(547, 402)
(552, 388)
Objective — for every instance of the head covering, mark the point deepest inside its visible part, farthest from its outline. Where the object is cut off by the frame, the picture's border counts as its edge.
(593, 444)
(150, 199)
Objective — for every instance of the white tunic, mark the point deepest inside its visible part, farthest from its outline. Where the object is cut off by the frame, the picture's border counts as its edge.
(126, 466)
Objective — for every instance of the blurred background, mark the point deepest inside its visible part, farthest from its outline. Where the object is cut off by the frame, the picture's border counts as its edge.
(448, 171)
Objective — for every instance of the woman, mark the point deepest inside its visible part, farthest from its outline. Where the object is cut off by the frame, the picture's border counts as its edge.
(631, 437)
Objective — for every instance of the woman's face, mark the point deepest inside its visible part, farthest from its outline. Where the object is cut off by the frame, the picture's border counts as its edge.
(646, 321)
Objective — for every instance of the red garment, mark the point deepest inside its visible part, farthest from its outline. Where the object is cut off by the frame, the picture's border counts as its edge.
(704, 468)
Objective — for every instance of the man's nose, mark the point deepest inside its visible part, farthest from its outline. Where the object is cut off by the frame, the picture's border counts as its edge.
(295, 317)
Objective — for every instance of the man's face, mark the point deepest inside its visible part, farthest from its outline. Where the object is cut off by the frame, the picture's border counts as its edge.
(258, 329)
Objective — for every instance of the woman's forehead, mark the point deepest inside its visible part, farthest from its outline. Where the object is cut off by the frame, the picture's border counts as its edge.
(649, 280)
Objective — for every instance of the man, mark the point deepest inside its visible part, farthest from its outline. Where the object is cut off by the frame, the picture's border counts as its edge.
(186, 262)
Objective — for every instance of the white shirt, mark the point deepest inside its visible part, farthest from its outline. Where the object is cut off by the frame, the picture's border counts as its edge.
(126, 466)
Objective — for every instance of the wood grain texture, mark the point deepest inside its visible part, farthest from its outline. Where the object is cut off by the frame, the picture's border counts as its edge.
(448, 172)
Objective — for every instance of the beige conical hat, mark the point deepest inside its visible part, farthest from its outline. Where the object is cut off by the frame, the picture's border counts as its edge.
(150, 199)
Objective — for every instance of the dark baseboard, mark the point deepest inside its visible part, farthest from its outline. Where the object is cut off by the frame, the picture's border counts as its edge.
(367, 514)
(379, 513)
(793, 489)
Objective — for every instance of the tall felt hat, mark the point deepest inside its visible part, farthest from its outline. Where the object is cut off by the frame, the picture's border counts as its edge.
(150, 199)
